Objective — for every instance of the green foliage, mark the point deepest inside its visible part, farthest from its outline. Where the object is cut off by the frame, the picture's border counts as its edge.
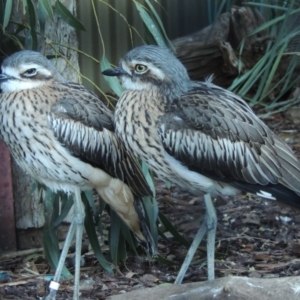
(50, 238)
(263, 77)
(89, 224)
(15, 35)
(7, 13)
(151, 23)
(67, 16)
(47, 9)
(31, 40)
(262, 85)
(113, 82)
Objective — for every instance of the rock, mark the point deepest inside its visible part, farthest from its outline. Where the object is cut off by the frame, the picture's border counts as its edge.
(234, 288)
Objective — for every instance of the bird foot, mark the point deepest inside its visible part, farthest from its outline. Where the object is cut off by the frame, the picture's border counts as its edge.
(52, 293)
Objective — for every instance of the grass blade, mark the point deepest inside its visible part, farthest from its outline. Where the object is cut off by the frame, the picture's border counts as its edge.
(153, 29)
(67, 16)
(47, 7)
(172, 229)
(161, 26)
(31, 38)
(50, 239)
(113, 82)
(7, 13)
(91, 232)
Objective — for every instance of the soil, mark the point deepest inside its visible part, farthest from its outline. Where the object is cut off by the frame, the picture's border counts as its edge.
(255, 238)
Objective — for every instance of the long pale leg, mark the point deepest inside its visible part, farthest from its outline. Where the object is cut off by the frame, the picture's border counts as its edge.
(79, 217)
(209, 225)
(76, 225)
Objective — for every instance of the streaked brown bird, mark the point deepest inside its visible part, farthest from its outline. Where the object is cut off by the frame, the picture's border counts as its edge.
(199, 136)
(63, 135)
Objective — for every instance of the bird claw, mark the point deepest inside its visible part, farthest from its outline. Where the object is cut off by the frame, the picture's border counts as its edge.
(51, 295)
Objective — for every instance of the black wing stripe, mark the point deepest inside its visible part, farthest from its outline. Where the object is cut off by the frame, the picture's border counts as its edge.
(101, 149)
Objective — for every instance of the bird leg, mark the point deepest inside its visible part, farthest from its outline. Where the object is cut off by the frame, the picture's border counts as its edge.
(76, 225)
(209, 225)
(79, 219)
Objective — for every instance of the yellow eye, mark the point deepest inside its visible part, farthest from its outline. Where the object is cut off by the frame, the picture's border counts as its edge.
(140, 68)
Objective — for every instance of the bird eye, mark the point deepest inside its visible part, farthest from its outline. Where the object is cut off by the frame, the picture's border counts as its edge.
(140, 68)
(30, 72)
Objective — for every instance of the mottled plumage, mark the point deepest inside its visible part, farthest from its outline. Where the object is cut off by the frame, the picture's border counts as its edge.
(198, 135)
(63, 135)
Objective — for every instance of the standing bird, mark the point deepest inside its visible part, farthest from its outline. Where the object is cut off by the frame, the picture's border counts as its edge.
(199, 136)
(63, 135)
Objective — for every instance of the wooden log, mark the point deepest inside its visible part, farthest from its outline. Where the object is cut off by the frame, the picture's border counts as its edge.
(214, 49)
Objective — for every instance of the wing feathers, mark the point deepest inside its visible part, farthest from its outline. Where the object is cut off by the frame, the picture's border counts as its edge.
(86, 128)
(223, 139)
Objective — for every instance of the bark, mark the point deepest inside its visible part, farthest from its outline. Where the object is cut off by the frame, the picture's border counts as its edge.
(214, 50)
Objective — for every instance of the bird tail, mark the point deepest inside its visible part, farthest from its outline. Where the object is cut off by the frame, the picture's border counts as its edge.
(272, 192)
(120, 198)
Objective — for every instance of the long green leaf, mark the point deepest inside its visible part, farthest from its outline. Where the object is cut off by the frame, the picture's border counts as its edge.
(45, 11)
(47, 7)
(161, 26)
(91, 232)
(150, 204)
(151, 209)
(31, 37)
(67, 16)
(171, 228)
(273, 70)
(90, 198)
(50, 239)
(261, 4)
(67, 203)
(24, 6)
(7, 13)
(150, 24)
(115, 237)
(272, 22)
(113, 82)
(42, 16)
(128, 237)
(165, 261)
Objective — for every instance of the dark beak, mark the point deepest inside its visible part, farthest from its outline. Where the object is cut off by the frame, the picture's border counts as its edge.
(4, 77)
(114, 72)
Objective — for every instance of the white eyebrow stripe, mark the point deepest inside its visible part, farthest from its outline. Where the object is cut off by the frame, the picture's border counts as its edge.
(126, 68)
(11, 71)
(154, 70)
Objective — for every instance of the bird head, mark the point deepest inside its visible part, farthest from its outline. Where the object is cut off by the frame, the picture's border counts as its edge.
(26, 69)
(152, 67)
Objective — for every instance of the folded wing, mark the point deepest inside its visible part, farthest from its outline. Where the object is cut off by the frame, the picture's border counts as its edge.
(85, 126)
(214, 132)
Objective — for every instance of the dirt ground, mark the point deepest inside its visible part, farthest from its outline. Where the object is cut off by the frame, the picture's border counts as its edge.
(255, 238)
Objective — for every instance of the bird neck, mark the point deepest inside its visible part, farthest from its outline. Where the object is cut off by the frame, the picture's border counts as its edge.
(151, 100)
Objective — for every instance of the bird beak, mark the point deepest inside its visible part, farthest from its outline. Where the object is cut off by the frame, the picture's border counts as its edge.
(4, 77)
(114, 72)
